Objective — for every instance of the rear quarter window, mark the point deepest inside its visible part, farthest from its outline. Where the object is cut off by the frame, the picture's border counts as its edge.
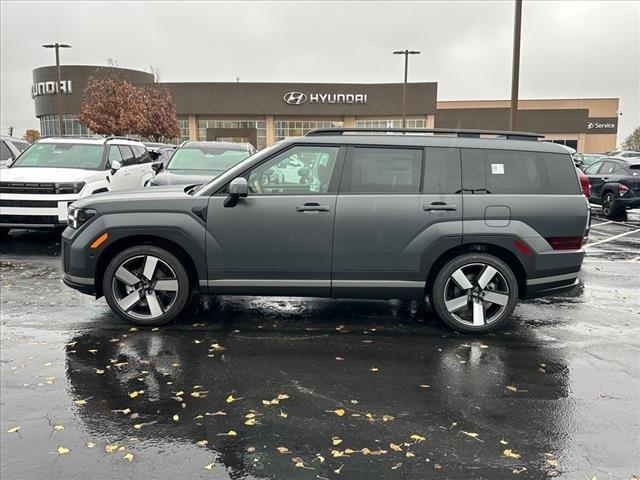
(512, 172)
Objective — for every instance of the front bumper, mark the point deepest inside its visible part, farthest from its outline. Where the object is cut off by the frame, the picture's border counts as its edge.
(82, 284)
(35, 211)
(628, 203)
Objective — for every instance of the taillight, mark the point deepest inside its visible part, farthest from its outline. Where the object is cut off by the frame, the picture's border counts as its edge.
(584, 184)
(565, 243)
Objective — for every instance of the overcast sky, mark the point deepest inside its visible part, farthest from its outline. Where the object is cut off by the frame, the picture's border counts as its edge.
(569, 49)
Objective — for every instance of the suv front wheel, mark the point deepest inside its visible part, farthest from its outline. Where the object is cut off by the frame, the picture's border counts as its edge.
(475, 293)
(146, 285)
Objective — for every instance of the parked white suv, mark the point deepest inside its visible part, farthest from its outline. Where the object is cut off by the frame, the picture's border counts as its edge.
(37, 188)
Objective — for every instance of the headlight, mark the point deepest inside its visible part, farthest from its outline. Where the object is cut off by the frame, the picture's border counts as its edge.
(69, 187)
(78, 216)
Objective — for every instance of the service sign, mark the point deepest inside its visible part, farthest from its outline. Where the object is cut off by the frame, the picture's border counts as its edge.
(602, 125)
(49, 88)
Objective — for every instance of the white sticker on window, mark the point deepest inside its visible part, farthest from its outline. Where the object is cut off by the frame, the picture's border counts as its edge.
(497, 168)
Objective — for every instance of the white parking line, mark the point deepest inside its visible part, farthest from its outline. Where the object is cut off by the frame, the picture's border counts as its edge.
(612, 238)
(636, 259)
(602, 223)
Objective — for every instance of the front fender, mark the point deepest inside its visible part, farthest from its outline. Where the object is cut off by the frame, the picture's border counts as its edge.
(181, 229)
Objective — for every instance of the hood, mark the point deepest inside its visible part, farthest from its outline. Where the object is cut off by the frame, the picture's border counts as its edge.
(183, 177)
(45, 175)
(135, 197)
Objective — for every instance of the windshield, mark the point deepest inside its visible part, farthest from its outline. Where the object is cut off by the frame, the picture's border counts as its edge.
(61, 155)
(206, 158)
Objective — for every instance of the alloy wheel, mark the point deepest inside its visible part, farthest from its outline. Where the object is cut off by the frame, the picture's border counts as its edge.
(145, 287)
(476, 294)
(607, 205)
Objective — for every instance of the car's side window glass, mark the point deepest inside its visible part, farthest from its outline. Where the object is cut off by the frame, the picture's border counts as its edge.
(142, 155)
(442, 173)
(5, 153)
(127, 155)
(383, 170)
(298, 170)
(593, 168)
(608, 168)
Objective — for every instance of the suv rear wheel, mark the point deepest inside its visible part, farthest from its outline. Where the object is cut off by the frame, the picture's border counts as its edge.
(609, 208)
(475, 293)
(146, 285)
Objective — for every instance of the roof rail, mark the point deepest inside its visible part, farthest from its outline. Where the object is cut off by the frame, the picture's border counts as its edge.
(461, 133)
(120, 137)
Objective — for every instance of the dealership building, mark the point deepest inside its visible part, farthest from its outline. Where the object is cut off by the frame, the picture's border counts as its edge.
(264, 113)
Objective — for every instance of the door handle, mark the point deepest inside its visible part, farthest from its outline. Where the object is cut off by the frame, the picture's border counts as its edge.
(439, 206)
(313, 207)
(125, 172)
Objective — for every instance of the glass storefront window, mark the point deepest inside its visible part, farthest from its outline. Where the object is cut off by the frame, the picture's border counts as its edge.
(392, 123)
(259, 125)
(295, 128)
(183, 125)
(49, 126)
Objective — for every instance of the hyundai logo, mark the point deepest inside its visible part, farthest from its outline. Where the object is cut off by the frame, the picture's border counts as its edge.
(295, 98)
(590, 125)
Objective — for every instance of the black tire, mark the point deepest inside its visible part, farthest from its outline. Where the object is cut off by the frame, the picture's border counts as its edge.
(503, 286)
(609, 208)
(170, 304)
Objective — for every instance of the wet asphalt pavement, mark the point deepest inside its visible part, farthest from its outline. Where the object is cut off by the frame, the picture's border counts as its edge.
(288, 388)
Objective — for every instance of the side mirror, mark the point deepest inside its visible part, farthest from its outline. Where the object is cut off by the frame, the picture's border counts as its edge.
(157, 166)
(238, 188)
(115, 166)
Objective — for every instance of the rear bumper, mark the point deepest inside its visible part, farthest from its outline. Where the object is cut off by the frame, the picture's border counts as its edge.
(633, 202)
(551, 285)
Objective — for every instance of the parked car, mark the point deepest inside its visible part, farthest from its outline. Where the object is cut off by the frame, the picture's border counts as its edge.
(583, 160)
(615, 185)
(160, 152)
(10, 148)
(622, 154)
(343, 213)
(52, 173)
(194, 163)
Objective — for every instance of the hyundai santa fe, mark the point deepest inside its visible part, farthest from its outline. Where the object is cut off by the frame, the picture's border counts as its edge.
(473, 220)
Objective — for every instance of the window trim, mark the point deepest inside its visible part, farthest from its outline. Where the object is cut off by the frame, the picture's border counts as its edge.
(346, 176)
(333, 183)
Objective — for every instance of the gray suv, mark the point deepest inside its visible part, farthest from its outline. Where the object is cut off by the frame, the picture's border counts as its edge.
(472, 222)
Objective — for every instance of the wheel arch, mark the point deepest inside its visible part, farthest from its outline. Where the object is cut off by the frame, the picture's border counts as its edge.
(498, 251)
(147, 239)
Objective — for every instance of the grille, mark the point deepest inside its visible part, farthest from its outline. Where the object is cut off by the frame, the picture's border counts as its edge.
(14, 187)
(29, 203)
(30, 220)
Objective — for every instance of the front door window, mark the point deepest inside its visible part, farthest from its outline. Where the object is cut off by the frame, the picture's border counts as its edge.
(303, 170)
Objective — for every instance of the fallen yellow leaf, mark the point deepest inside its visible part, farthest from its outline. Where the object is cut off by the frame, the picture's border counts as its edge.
(282, 396)
(504, 442)
(395, 447)
(128, 456)
(63, 450)
(409, 455)
(14, 429)
(512, 388)
(339, 412)
(510, 453)
(110, 448)
(336, 441)
(90, 445)
(99, 372)
(231, 399)
(283, 414)
(231, 433)
(282, 449)
(209, 466)
(417, 438)
(251, 422)
(202, 443)
(552, 462)
(374, 369)
(58, 427)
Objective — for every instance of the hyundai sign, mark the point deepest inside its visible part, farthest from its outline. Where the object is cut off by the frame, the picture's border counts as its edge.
(602, 125)
(49, 88)
(298, 98)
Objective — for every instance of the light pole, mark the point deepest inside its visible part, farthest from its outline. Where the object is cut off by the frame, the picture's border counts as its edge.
(58, 46)
(515, 69)
(406, 54)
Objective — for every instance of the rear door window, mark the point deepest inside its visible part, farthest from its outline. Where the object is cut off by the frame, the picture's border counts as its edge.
(128, 158)
(141, 154)
(383, 170)
(510, 172)
(5, 153)
(442, 171)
